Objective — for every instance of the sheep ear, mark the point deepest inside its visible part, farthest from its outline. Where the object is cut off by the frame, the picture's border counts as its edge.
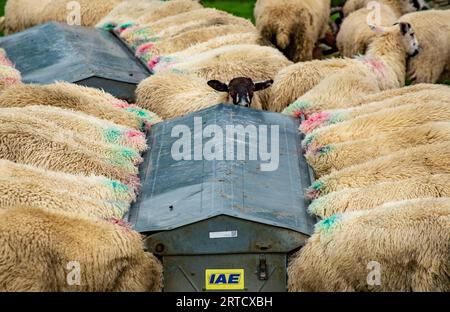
(405, 27)
(263, 85)
(218, 86)
(377, 29)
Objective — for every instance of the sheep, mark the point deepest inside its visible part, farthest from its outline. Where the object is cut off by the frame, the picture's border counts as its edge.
(172, 95)
(341, 155)
(250, 37)
(40, 249)
(150, 52)
(93, 128)
(123, 158)
(23, 14)
(355, 35)
(383, 67)
(169, 8)
(97, 187)
(375, 195)
(179, 24)
(433, 31)
(224, 64)
(377, 123)
(61, 95)
(32, 194)
(127, 12)
(407, 243)
(293, 26)
(295, 80)
(8, 74)
(377, 102)
(404, 164)
(51, 150)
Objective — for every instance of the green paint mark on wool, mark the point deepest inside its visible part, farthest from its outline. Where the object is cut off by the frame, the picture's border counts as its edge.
(138, 112)
(128, 153)
(317, 186)
(108, 26)
(117, 186)
(112, 134)
(327, 224)
(308, 139)
(299, 105)
(336, 118)
(326, 149)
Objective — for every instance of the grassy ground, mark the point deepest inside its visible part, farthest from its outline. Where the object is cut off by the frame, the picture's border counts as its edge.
(243, 8)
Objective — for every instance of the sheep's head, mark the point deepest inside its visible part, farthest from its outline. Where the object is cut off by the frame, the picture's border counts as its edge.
(420, 5)
(240, 89)
(406, 31)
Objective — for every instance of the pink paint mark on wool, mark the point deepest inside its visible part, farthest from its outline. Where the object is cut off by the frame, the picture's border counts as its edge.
(134, 133)
(120, 104)
(144, 48)
(377, 66)
(315, 121)
(153, 62)
(120, 222)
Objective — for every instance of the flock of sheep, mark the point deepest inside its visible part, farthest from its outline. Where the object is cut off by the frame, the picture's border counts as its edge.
(379, 149)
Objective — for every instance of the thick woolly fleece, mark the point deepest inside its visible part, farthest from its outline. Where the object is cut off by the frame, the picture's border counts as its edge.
(420, 93)
(342, 155)
(293, 26)
(407, 243)
(41, 247)
(50, 150)
(386, 120)
(383, 67)
(96, 187)
(408, 163)
(8, 74)
(370, 197)
(33, 194)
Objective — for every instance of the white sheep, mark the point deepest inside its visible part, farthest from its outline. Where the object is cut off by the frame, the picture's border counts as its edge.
(386, 120)
(355, 35)
(406, 245)
(383, 67)
(23, 14)
(40, 247)
(342, 155)
(376, 102)
(370, 197)
(433, 32)
(293, 26)
(408, 163)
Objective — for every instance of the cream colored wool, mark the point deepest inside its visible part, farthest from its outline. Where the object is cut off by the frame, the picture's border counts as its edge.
(41, 247)
(342, 155)
(293, 26)
(384, 121)
(172, 95)
(32, 194)
(387, 54)
(250, 37)
(196, 36)
(107, 153)
(92, 128)
(228, 62)
(295, 80)
(355, 35)
(128, 11)
(181, 23)
(30, 94)
(8, 74)
(169, 8)
(50, 150)
(404, 164)
(409, 240)
(23, 14)
(96, 187)
(420, 93)
(433, 32)
(370, 197)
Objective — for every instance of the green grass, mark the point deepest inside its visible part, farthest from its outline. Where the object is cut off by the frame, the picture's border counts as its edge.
(242, 8)
(2, 7)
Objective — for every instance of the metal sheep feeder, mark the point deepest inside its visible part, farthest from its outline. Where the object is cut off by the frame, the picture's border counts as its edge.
(224, 224)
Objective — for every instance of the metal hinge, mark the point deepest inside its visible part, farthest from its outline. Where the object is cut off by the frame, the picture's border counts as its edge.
(262, 268)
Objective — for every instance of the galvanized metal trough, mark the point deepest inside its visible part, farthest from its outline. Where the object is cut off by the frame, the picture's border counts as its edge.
(86, 56)
(224, 224)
